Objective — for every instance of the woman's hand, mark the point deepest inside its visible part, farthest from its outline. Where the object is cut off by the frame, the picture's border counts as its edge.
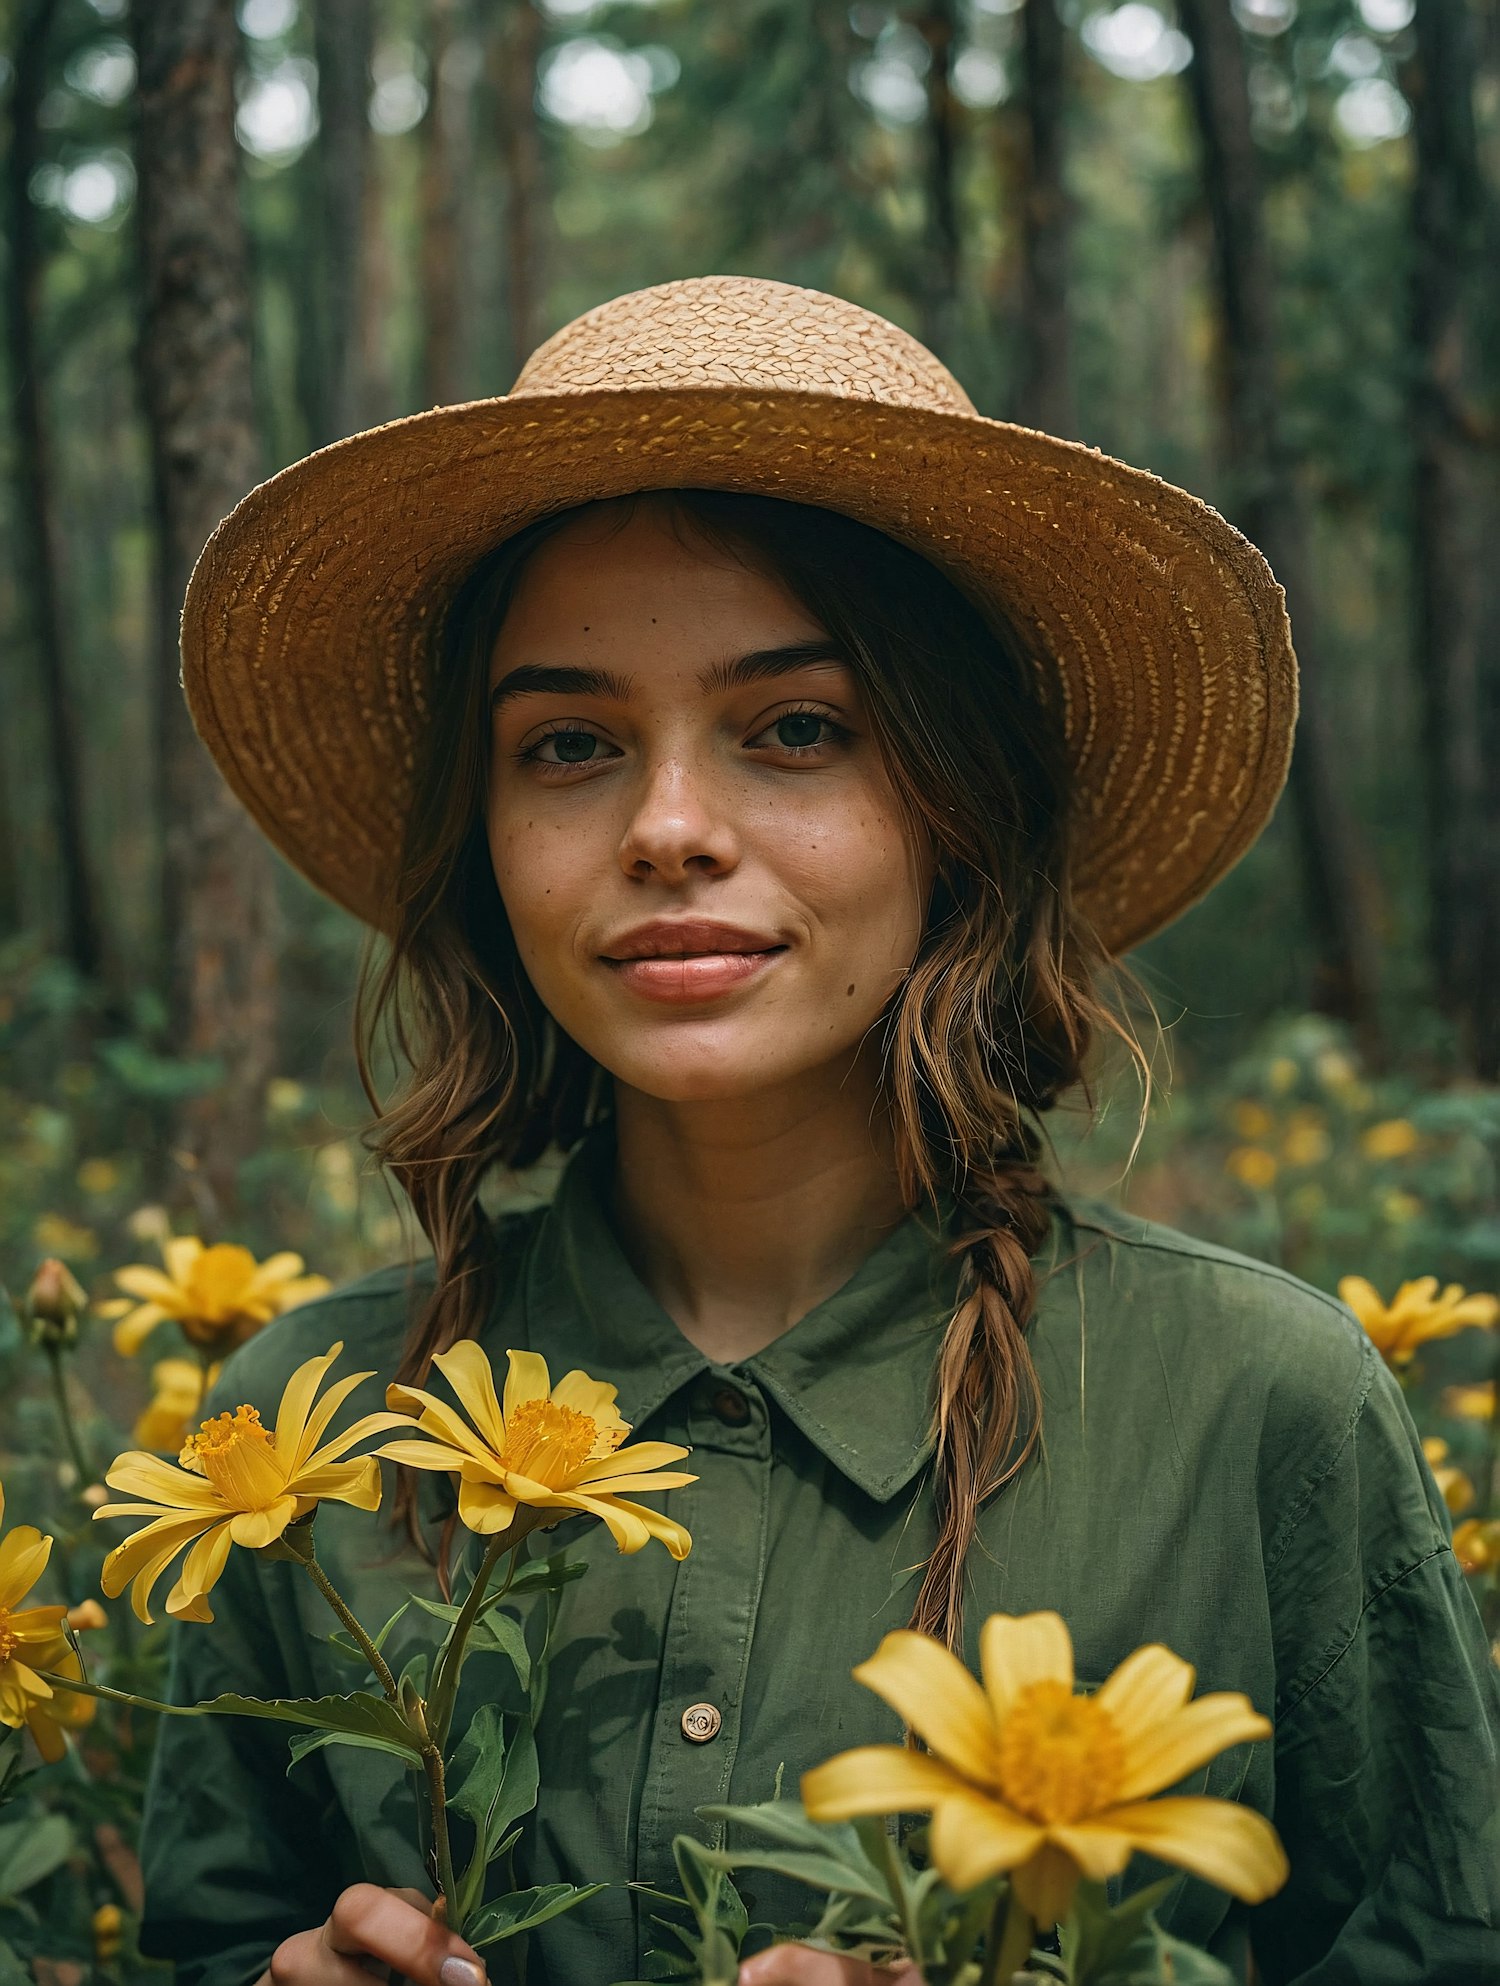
(800, 1965)
(376, 1930)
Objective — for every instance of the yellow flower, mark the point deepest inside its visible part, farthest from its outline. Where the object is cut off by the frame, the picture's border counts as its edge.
(31, 1640)
(220, 1295)
(1394, 1138)
(1399, 1208)
(54, 1234)
(1453, 1485)
(168, 1418)
(1469, 1403)
(1282, 1074)
(1476, 1544)
(1024, 1776)
(1251, 1119)
(98, 1175)
(108, 1927)
(1307, 1141)
(1415, 1314)
(552, 1448)
(1252, 1167)
(238, 1483)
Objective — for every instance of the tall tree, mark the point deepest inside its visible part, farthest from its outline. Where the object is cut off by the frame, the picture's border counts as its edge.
(1044, 391)
(344, 32)
(38, 548)
(194, 356)
(1271, 508)
(514, 51)
(443, 135)
(937, 23)
(1455, 524)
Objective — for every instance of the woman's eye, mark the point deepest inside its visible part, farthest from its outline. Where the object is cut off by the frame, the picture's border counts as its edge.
(565, 748)
(800, 731)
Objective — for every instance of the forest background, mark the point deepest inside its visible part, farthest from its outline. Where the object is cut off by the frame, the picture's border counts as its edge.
(1251, 247)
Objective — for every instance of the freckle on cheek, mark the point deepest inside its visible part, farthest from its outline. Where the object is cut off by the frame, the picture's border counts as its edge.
(851, 993)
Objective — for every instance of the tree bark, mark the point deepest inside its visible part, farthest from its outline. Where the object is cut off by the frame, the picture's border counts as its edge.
(439, 253)
(1455, 523)
(344, 34)
(195, 365)
(937, 24)
(38, 549)
(1271, 509)
(1044, 396)
(514, 50)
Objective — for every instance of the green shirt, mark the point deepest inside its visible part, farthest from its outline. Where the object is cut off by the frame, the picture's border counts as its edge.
(1226, 1466)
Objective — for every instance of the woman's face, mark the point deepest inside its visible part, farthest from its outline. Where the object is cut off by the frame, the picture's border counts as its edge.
(706, 871)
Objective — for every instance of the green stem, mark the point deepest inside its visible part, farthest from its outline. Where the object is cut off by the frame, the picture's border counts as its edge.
(437, 1796)
(1007, 1949)
(372, 1654)
(65, 1415)
(451, 1658)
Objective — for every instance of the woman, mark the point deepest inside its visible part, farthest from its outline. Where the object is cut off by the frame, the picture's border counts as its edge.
(760, 841)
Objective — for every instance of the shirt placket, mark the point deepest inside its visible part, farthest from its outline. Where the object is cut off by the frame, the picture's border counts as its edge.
(711, 1621)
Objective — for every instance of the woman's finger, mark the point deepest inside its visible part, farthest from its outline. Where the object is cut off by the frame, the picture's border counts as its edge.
(305, 1960)
(800, 1965)
(377, 1923)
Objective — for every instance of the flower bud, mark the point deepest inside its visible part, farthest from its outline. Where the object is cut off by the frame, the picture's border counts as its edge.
(53, 1306)
(88, 1613)
(108, 1928)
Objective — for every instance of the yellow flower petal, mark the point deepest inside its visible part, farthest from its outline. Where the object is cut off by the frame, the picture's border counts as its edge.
(933, 1693)
(1190, 1737)
(425, 1455)
(1046, 1883)
(594, 1397)
(255, 1529)
(877, 1779)
(1229, 1845)
(527, 1379)
(484, 1507)
(1146, 1688)
(433, 1417)
(621, 1516)
(180, 1252)
(974, 1838)
(468, 1372)
(147, 1556)
(23, 1559)
(200, 1571)
(633, 1462)
(356, 1483)
(297, 1399)
(134, 1329)
(140, 1474)
(151, 1286)
(1018, 1649)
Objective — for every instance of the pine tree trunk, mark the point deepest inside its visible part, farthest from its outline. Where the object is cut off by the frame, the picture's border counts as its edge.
(1270, 508)
(1455, 525)
(443, 170)
(514, 50)
(35, 523)
(938, 26)
(344, 36)
(1045, 393)
(218, 882)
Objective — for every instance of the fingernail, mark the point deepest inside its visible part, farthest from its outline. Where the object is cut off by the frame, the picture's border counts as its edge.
(460, 1972)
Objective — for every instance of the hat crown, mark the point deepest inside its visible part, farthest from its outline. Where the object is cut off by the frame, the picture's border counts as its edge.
(739, 332)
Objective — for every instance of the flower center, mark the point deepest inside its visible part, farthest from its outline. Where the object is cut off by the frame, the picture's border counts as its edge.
(8, 1636)
(547, 1442)
(1061, 1755)
(238, 1456)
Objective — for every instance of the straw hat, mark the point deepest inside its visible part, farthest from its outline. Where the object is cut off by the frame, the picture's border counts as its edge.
(312, 608)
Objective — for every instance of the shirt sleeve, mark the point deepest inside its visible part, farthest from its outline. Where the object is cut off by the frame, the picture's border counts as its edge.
(1387, 1794)
(229, 1844)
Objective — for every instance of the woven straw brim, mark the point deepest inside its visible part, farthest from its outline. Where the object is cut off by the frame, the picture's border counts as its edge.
(310, 613)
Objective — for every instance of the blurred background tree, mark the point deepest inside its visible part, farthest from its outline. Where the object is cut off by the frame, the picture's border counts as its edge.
(1249, 245)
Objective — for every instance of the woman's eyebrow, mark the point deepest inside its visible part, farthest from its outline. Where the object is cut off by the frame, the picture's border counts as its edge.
(538, 679)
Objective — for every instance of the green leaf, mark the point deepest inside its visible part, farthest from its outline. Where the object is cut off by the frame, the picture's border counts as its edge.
(545, 1575)
(1156, 1958)
(1095, 1936)
(30, 1850)
(360, 1714)
(502, 1634)
(314, 1741)
(478, 1765)
(828, 1856)
(525, 1909)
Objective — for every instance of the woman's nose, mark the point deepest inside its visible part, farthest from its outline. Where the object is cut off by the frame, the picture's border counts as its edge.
(679, 826)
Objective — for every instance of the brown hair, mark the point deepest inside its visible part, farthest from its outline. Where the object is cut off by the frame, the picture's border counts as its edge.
(991, 1026)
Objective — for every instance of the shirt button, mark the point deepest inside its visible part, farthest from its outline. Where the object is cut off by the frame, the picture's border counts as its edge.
(700, 1722)
(731, 1406)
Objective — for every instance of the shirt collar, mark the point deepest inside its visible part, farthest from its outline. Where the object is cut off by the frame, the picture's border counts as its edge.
(854, 1375)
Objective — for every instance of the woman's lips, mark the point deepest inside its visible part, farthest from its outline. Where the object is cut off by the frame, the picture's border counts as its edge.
(692, 978)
